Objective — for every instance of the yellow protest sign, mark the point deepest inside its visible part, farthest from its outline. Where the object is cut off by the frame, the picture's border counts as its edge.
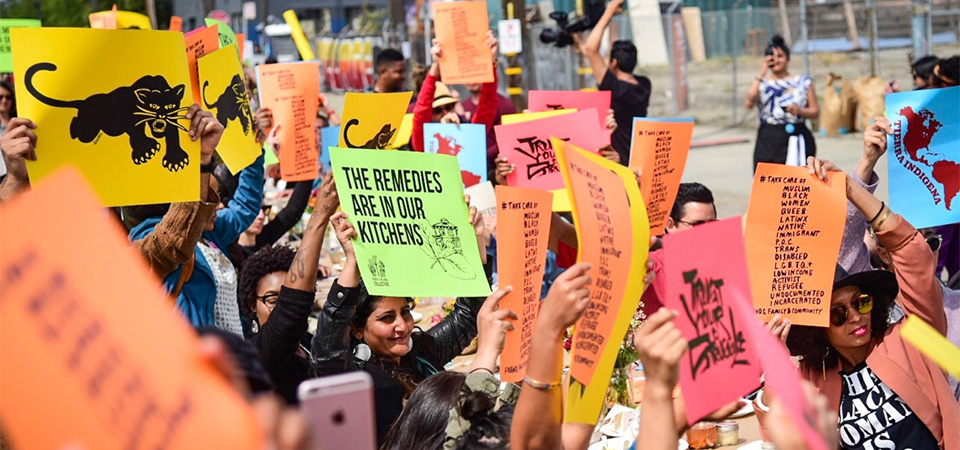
(224, 93)
(404, 133)
(509, 119)
(124, 125)
(613, 234)
(372, 120)
(932, 344)
(296, 32)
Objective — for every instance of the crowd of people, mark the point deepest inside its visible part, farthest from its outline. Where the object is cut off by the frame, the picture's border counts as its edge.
(252, 297)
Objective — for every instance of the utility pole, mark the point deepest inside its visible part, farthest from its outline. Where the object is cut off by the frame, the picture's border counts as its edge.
(152, 13)
(397, 25)
(516, 9)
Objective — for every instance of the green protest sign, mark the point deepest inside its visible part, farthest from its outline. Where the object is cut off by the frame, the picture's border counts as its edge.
(6, 54)
(414, 237)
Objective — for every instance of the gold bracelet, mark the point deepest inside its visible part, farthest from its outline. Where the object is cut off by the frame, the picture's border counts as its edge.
(541, 385)
(882, 219)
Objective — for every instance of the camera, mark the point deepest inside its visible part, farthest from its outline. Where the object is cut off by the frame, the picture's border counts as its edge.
(562, 35)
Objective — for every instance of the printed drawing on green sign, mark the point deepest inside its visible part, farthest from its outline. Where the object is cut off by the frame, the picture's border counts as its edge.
(6, 53)
(414, 237)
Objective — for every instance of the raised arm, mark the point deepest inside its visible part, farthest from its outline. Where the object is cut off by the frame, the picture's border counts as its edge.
(488, 101)
(913, 261)
(288, 217)
(423, 111)
(171, 243)
(243, 208)
(539, 411)
(281, 333)
(854, 256)
(330, 349)
(660, 347)
(591, 48)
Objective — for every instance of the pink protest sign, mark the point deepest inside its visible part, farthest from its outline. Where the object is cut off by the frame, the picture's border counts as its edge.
(721, 364)
(599, 101)
(527, 146)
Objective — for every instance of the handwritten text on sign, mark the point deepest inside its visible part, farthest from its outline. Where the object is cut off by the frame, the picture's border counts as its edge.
(462, 28)
(612, 233)
(793, 232)
(659, 149)
(290, 91)
(522, 243)
(712, 291)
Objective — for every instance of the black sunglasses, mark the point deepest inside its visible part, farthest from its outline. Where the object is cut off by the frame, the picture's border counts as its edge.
(863, 303)
(934, 242)
(445, 108)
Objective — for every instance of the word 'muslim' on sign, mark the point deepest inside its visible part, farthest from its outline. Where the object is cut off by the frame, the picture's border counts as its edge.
(793, 231)
(524, 215)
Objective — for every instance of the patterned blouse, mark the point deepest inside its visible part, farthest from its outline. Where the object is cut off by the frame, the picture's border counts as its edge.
(777, 95)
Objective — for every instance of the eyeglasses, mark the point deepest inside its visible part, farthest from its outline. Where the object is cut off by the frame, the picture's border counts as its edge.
(934, 242)
(698, 222)
(6, 97)
(863, 303)
(445, 108)
(269, 300)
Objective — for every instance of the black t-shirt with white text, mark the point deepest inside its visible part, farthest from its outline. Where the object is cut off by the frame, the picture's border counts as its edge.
(873, 417)
(627, 101)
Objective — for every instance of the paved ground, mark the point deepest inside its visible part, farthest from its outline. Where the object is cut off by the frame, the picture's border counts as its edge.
(727, 170)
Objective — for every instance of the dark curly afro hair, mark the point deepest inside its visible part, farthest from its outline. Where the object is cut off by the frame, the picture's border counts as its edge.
(262, 263)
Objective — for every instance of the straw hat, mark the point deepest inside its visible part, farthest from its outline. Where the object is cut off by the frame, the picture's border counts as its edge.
(442, 96)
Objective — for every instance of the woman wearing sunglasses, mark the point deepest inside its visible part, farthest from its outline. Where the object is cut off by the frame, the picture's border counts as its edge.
(436, 103)
(887, 393)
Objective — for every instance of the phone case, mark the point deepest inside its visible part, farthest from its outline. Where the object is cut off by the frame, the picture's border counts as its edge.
(340, 411)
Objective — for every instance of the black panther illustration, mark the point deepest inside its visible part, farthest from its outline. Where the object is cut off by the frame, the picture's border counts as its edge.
(146, 111)
(379, 140)
(232, 104)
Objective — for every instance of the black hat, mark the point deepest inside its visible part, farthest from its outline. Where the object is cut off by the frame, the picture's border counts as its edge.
(880, 284)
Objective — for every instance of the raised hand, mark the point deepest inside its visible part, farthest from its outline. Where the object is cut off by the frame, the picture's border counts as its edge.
(660, 345)
(875, 138)
(19, 144)
(503, 169)
(205, 127)
(492, 326)
(567, 299)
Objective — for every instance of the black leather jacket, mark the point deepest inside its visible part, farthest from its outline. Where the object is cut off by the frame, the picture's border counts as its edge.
(331, 352)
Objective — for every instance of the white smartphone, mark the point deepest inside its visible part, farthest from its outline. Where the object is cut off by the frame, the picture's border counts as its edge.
(340, 411)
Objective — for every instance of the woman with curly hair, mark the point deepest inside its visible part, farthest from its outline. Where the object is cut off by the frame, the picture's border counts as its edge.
(359, 331)
(276, 293)
(888, 394)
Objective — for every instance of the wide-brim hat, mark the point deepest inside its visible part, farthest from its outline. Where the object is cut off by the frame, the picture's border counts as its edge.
(442, 96)
(881, 284)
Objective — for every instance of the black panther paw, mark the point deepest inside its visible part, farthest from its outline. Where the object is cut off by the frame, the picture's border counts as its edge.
(140, 157)
(174, 163)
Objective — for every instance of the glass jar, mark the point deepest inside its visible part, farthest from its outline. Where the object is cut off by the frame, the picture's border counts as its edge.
(702, 435)
(728, 433)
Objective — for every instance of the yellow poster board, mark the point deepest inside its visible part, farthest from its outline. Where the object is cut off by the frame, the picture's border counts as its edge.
(509, 119)
(404, 133)
(613, 234)
(224, 93)
(101, 106)
(372, 120)
(296, 32)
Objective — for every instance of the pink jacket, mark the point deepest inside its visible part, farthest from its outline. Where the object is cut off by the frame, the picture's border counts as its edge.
(917, 380)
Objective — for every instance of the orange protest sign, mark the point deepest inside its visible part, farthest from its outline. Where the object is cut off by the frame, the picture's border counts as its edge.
(659, 149)
(525, 216)
(461, 28)
(794, 226)
(613, 236)
(115, 373)
(241, 43)
(199, 42)
(176, 23)
(290, 91)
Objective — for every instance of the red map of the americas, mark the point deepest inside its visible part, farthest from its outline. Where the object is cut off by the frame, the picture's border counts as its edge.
(449, 147)
(922, 126)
